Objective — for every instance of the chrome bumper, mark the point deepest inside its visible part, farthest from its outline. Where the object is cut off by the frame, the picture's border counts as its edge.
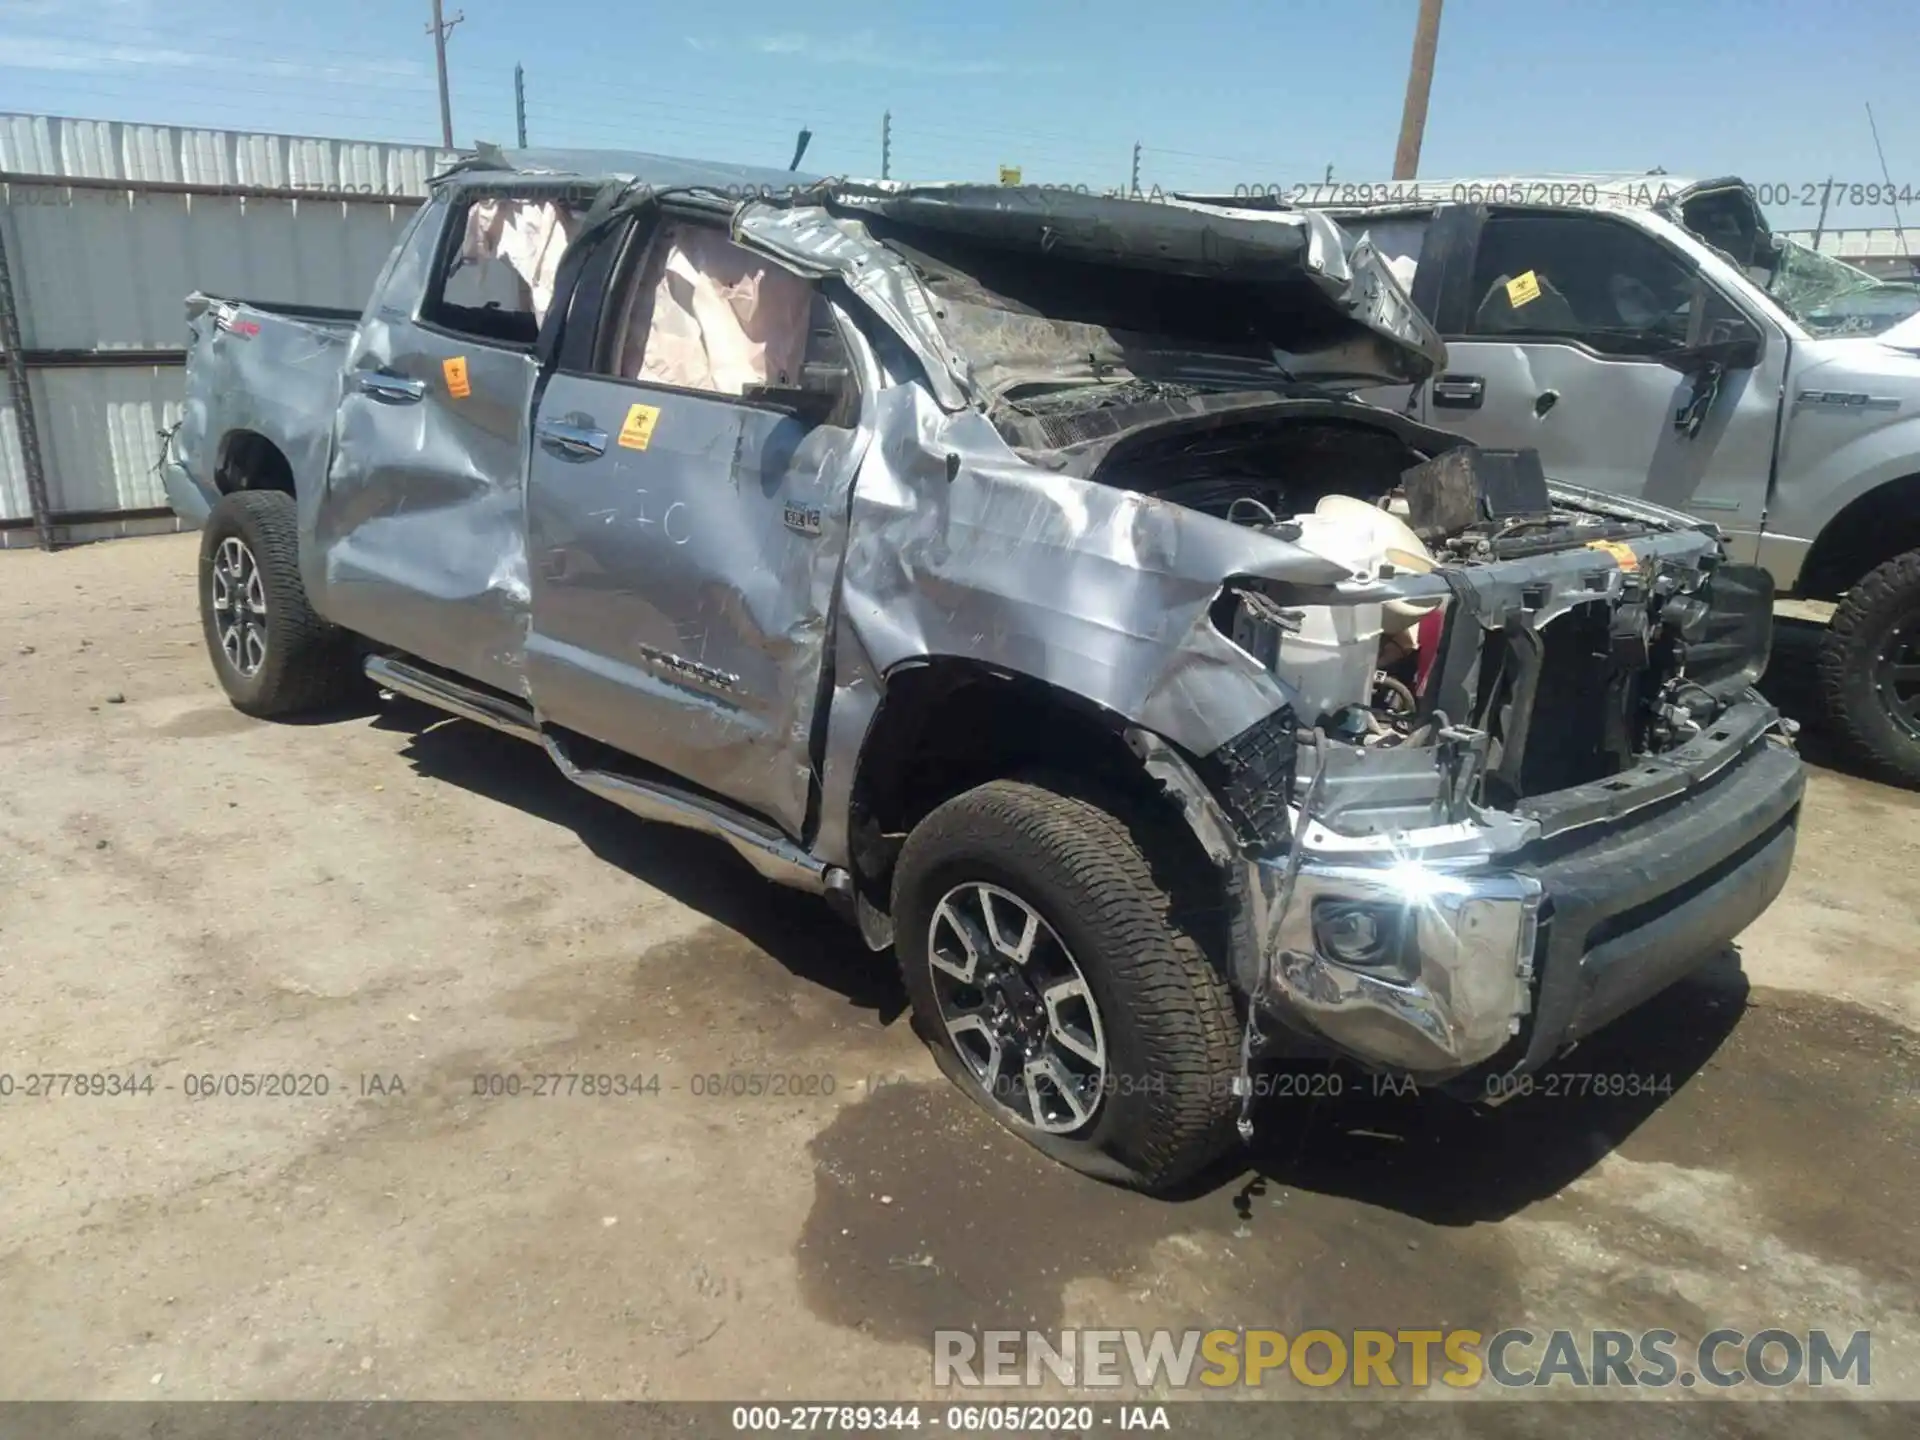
(1406, 965)
(1433, 967)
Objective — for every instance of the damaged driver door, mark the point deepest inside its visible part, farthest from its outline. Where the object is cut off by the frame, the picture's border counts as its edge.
(693, 454)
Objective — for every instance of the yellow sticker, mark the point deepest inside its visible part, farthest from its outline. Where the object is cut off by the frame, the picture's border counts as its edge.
(637, 433)
(1009, 174)
(1623, 555)
(455, 369)
(1523, 289)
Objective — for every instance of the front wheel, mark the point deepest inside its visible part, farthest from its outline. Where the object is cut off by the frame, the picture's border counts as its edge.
(1870, 669)
(273, 655)
(1054, 949)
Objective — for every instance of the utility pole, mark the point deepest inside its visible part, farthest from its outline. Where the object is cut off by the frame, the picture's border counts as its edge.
(1413, 119)
(520, 104)
(886, 145)
(440, 29)
(1133, 182)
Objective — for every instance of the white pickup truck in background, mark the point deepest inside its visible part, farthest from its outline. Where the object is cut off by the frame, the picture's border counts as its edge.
(1650, 336)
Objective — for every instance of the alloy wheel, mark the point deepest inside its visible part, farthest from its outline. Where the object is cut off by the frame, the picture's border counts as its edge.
(1017, 1007)
(238, 596)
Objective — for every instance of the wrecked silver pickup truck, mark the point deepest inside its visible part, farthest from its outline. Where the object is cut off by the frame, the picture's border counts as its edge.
(1014, 569)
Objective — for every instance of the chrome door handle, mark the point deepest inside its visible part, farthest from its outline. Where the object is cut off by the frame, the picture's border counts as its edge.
(571, 441)
(1460, 392)
(389, 389)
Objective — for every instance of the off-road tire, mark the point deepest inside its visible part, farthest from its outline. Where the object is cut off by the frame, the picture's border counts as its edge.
(1885, 603)
(309, 663)
(1133, 910)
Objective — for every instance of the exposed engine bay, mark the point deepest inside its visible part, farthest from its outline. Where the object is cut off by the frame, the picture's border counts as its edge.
(1559, 637)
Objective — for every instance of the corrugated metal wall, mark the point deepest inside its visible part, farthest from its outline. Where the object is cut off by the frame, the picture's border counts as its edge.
(101, 257)
(113, 150)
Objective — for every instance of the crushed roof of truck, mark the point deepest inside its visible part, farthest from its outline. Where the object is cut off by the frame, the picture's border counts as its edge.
(1294, 280)
(661, 172)
(1175, 237)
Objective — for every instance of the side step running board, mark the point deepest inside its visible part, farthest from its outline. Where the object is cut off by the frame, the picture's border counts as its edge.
(463, 700)
(760, 845)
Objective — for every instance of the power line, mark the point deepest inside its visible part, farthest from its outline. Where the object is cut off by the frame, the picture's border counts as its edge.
(220, 45)
(392, 129)
(204, 45)
(1055, 148)
(635, 130)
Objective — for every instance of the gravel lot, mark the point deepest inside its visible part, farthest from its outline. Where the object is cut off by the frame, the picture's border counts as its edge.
(399, 904)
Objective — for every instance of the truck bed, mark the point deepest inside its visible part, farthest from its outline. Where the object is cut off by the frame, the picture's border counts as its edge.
(255, 368)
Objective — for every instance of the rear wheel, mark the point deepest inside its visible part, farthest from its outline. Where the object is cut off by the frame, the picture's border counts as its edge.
(1053, 946)
(272, 653)
(1870, 669)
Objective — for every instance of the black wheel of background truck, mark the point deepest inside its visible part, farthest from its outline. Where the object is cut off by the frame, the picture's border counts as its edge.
(273, 655)
(1051, 946)
(1870, 669)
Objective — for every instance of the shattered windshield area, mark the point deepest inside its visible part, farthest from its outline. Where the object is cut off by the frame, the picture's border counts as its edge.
(1831, 297)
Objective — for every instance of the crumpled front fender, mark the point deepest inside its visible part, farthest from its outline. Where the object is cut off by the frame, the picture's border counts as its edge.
(960, 548)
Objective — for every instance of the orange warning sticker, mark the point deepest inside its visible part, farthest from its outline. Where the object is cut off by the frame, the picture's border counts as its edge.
(637, 432)
(455, 369)
(1523, 288)
(1623, 555)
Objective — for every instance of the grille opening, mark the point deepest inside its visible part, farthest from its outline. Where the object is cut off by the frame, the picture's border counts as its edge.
(1559, 705)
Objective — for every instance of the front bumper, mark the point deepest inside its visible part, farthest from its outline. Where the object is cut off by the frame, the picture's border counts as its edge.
(1511, 961)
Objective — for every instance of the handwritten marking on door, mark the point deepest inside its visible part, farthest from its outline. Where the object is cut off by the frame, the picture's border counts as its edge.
(674, 521)
(455, 369)
(637, 432)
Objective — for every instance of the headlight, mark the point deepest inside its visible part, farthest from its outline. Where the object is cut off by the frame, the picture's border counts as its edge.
(1365, 934)
(1416, 965)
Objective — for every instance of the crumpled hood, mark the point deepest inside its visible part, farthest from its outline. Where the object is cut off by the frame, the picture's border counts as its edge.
(1885, 365)
(1903, 337)
(1208, 279)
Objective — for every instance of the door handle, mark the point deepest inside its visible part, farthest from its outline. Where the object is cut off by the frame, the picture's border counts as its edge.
(1545, 401)
(389, 389)
(1459, 392)
(571, 441)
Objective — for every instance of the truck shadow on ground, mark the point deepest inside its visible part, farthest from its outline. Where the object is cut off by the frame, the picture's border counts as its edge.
(1447, 1161)
(702, 873)
(1324, 1128)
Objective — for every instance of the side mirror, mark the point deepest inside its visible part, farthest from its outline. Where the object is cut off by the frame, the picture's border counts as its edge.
(1719, 334)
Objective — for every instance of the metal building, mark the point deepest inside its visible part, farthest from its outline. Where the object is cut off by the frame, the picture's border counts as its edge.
(105, 227)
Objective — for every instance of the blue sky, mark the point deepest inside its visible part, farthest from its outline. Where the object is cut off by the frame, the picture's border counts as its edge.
(1218, 92)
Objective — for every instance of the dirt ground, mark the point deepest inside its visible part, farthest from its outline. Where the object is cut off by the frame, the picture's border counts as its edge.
(401, 904)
